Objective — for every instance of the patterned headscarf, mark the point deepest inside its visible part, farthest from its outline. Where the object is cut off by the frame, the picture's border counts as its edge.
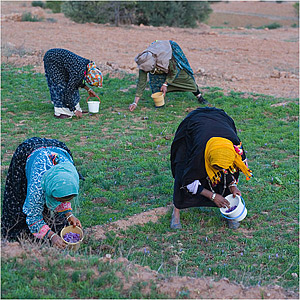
(93, 76)
(221, 152)
(60, 181)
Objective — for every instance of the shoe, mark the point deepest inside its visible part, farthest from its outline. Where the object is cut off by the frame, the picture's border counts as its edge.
(233, 224)
(85, 112)
(201, 100)
(175, 225)
(62, 116)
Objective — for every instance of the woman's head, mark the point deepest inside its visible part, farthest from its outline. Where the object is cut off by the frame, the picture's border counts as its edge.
(60, 184)
(93, 75)
(220, 154)
(146, 61)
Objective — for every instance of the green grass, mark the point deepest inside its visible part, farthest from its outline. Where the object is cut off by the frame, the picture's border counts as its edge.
(125, 159)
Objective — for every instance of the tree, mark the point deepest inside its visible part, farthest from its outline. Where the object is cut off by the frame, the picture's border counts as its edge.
(156, 13)
(114, 12)
(172, 13)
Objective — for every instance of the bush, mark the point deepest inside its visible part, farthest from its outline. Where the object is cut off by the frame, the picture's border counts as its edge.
(270, 26)
(114, 12)
(170, 13)
(28, 17)
(296, 7)
(55, 6)
(38, 3)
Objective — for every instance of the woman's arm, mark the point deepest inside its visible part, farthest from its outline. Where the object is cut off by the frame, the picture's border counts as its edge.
(141, 85)
(218, 199)
(90, 91)
(170, 76)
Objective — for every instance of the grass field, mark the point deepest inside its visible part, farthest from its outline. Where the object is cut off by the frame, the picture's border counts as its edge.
(124, 158)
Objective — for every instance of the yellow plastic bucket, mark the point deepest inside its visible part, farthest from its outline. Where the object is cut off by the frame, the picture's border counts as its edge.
(72, 246)
(159, 99)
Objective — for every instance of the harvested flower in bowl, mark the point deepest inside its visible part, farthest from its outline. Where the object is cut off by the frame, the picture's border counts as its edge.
(231, 209)
(72, 237)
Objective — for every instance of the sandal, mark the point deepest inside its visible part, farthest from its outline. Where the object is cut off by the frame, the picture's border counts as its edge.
(233, 224)
(175, 225)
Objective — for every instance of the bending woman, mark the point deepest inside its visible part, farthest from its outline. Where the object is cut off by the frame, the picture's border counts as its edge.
(206, 158)
(66, 72)
(40, 184)
(169, 71)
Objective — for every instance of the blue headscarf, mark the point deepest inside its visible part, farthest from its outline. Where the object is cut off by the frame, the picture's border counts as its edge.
(60, 181)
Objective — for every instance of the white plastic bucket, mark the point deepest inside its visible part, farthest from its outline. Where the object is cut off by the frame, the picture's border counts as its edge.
(237, 214)
(93, 105)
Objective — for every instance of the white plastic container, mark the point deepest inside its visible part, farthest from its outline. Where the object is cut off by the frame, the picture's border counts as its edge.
(93, 105)
(237, 214)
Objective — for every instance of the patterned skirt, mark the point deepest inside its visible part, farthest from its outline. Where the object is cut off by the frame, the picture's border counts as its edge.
(13, 220)
(59, 92)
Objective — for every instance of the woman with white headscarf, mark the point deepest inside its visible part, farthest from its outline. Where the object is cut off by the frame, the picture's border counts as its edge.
(66, 72)
(168, 69)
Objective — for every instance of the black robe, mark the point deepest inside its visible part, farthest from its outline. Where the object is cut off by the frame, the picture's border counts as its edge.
(187, 155)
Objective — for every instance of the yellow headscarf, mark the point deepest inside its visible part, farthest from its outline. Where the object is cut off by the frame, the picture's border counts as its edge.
(221, 152)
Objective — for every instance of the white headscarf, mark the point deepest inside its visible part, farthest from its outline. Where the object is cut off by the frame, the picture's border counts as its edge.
(157, 55)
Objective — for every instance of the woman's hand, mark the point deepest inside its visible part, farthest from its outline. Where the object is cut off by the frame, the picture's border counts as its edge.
(235, 191)
(92, 93)
(133, 105)
(58, 242)
(163, 89)
(220, 201)
(78, 114)
(74, 221)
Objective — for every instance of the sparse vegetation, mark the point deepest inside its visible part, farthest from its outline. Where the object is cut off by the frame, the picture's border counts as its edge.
(28, 17)
(270, 26)
(38, 4)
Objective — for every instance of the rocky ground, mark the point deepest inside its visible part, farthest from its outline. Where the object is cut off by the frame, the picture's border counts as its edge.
(245, 60)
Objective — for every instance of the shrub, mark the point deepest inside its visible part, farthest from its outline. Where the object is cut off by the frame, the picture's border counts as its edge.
(38, 3)
(160, 13)
(55, 6)
(296, 7)
(270, 26)
(114, 12)
(172, 13)
(28, 17)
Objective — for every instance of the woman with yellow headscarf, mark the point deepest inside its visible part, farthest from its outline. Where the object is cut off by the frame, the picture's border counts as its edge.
(206, 159)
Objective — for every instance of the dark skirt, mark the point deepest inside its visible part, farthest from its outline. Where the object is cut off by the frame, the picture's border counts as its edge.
(13, 220)
(59, 93)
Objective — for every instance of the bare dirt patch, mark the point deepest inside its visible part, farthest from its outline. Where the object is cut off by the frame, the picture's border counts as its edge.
(242, 60)
(175, 287)
(98, 232)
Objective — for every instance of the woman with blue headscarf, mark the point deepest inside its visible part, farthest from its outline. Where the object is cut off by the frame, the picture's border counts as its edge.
(41, 182)
(66, 72)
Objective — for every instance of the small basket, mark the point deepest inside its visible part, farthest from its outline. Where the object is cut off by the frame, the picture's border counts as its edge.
(71, 228)
(159, 99)
(93, 105)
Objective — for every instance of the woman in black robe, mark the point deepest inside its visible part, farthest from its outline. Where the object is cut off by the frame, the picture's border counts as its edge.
(206, 157)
